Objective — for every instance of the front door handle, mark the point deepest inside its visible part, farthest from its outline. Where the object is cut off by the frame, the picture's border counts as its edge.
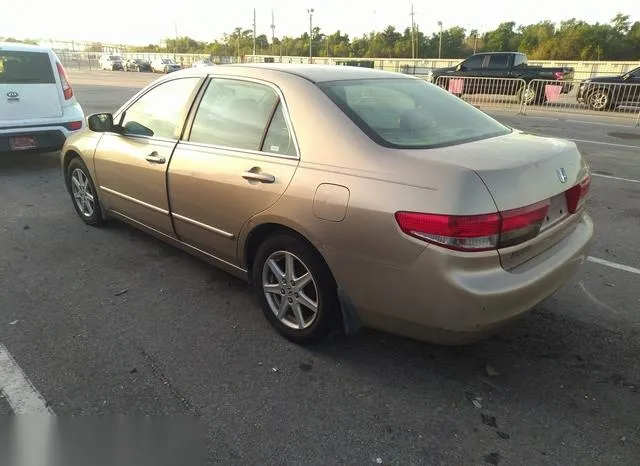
(253, 175)
(153, 157)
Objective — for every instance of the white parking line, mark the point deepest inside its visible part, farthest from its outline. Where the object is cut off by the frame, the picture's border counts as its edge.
(18, 389)
(626, 146)
(616, 178)
(613, 265)
(599, 123)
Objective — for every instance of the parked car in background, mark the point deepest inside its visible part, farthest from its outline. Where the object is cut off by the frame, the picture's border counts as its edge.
(111, 62)
(38, 109)
(485, 73)
(137, 64)
(414, 219)
(609, 92)
(202, 63)
(165, 65)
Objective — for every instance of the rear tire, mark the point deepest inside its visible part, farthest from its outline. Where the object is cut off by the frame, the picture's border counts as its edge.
(83, 193)
(295, 288)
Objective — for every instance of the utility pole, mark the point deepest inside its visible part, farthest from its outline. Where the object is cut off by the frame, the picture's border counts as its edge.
(413, 34)
(175, 42)
(273, 28)
(254, 32)
(440, 43)
(310, 11)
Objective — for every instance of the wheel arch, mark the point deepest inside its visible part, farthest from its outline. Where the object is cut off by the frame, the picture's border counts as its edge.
(260, 232)
(350, 320)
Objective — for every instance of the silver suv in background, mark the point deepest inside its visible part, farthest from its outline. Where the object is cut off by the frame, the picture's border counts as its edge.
(38, 109)
(164, 65)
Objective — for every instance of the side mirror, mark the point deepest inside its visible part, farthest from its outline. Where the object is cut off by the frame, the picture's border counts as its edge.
(100, 122)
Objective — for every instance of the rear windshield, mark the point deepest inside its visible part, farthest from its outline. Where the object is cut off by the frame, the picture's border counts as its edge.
(408, 113)
(25, 67)
(115, 57)
(168, 61)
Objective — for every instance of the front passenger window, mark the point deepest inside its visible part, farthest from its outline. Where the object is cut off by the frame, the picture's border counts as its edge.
(160, 112)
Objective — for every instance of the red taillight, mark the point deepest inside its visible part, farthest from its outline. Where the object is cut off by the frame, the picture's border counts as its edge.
(73, 125)
(558, 74)
(577, 195)
(475, 232)
(67, 90)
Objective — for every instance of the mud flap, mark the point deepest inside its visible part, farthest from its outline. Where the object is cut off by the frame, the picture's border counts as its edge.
(350, 318)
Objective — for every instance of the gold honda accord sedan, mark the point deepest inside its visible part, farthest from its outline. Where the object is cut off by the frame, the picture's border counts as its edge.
(346, 196)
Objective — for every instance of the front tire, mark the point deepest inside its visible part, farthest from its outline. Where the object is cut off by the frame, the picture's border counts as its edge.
(599, 100)
(295, 288)
(83, 193)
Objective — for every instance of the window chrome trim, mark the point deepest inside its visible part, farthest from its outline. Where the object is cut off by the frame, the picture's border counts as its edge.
(188, 144)
(134, 200)
(204, 226)
(285, 111)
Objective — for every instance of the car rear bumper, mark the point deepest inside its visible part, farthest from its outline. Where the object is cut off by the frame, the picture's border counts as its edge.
(45, 139)
(446, 299)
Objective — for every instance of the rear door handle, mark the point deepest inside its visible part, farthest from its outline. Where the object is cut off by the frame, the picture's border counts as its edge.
(153, 157)
(261, 177)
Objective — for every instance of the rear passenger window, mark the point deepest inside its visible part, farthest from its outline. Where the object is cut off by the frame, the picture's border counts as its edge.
(278, 139)
(235, 114)
(25, 68)
(499, 62)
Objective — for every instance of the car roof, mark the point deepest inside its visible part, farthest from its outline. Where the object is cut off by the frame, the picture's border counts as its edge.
(21, 47)
(499, 53)
(313, 73)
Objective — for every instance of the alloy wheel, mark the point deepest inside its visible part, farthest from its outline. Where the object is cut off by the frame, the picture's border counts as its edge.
(290, 290)
(82, 194)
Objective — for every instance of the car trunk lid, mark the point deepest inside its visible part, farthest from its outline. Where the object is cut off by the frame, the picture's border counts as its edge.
(28, 86)
(521, 170)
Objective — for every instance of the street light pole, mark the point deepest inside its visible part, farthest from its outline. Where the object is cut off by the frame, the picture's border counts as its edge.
(254, 33)
(440, 43)
(310, 11)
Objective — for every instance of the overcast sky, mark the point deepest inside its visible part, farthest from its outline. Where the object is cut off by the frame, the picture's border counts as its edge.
(142, 21)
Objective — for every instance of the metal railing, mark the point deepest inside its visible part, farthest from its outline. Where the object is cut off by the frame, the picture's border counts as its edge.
(505, 93)
(538, 96)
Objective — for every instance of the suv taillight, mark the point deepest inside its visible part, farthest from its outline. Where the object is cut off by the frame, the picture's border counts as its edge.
(67, 90)
(476, 232)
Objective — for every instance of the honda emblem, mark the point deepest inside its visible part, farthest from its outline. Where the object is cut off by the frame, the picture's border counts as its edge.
(562, 175)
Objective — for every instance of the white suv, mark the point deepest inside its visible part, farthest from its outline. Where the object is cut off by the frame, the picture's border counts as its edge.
(38, 109)
(112, 62)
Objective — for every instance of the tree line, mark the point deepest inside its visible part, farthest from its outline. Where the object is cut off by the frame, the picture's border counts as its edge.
(572, 39)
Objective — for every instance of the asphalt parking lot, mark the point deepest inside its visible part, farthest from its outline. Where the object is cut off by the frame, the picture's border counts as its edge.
(110, 320)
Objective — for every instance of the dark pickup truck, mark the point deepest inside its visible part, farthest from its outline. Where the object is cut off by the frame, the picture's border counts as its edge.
(488, 73)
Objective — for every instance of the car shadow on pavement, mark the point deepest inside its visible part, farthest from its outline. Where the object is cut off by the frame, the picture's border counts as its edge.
(29, 160)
